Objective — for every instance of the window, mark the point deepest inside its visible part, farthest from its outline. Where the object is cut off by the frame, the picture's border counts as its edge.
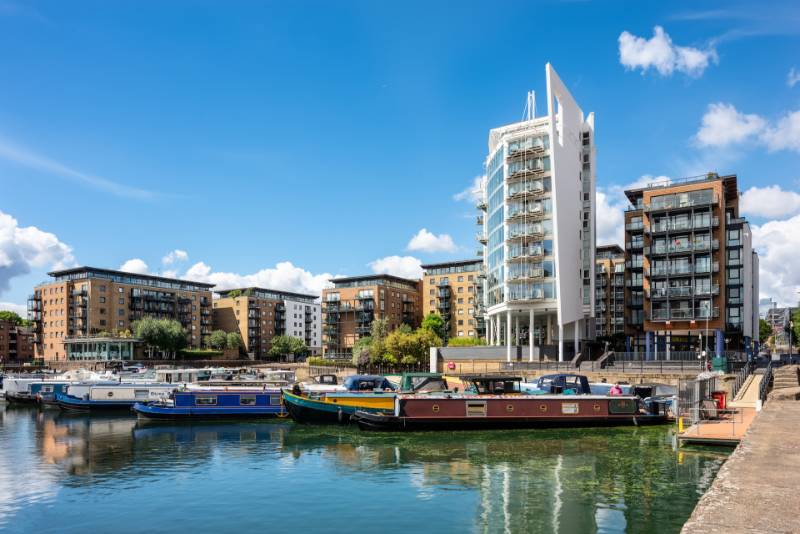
(209, 400)
(120, 290)
(120, 312)
(121, 323)
(247, 400)
(460, 278)
(433, 281)
(102, 300)
(102, 289)
(121, 300)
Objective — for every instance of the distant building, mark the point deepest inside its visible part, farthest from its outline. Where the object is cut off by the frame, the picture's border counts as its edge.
(88, 302)
(609, 293)
(16, 343)
(779, 319)
(691, 271)
(454, 290)
(353, 303)
(764, 305)
(260, 314)
(538, 229)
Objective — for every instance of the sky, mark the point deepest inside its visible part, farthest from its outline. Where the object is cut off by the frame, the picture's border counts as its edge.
(279, 144)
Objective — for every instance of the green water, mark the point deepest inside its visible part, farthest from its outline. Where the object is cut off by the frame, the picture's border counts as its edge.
(86, 474)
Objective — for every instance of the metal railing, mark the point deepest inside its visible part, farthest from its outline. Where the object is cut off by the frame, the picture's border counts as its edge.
(741, 378)
(766, 382)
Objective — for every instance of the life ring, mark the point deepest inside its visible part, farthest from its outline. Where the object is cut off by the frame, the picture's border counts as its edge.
(435, 408)
(509, 408)
(596, 407)
(543, 408)
(451, 365)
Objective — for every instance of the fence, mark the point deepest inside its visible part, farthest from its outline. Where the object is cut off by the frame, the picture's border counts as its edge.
(691, 394)
(644, 366)
(422, 367)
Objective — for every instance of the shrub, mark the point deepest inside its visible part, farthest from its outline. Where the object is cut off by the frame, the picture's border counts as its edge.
(465, 342)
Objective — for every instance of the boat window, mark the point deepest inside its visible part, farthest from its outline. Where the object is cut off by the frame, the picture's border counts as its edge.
(140, 394)
(274, 400)
(206, 401)
(427, 383)
(247, 400)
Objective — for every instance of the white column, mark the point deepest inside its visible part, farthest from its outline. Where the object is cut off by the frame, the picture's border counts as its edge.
(498, 331)
(516, 331)
(576, 334)
(508, 336)
(668, 338)
(560, 342)
(489, 340)
(530, 336)
(548, 336)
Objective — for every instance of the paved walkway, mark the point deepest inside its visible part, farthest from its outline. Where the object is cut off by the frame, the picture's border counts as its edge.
(756, 489)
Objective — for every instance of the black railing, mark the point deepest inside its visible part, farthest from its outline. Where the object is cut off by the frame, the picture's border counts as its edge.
(741, 378)
(766, 382)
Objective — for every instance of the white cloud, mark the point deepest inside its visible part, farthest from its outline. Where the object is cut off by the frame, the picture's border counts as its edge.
(793, 77)
(770, 201)
(135, 265)
(661, 54)
(19, 309)
(176, 255)
(426, 241)
(611, 203)
(25, 248)
(785, 135)
(284, 276)
(777, 243)
(723, 125)
(403, 266)
(474, 192)
(27, 158)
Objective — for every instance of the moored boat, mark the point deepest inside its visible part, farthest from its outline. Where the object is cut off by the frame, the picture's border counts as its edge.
(214, 403)
(368, 393)
(110, 397)
(498, 403)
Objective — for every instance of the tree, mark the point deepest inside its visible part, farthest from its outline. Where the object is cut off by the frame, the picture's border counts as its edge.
(235, 293)
(409, 347)
(233, 340)
(8, 315)
(361, 348)
(434, 322)
(378, 333)
(218, 339)
(796, 329)
(166, 335)
(764, 331)
(287, 346)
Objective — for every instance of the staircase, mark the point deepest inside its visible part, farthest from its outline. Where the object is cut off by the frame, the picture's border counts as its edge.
(787, 376)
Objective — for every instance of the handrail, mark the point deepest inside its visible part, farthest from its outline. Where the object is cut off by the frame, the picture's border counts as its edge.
(765, 382)
(741, 378)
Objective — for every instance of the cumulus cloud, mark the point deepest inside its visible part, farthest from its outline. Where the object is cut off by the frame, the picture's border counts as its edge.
(19, 309)
(785, 135)
(723, 125)
(770, 201)
(403, 266)
(284, 276)
(23, 248)
(777, 243)
(793, 77)
(175, 256)
(660, 54)
(426, 241)
(611, 203)
(474, 192)
(135, 265)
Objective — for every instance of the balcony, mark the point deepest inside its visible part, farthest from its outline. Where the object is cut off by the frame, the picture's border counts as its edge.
(534, 150)
(521, 174)
(526, 253)
(529, 211)
(634, 226)
(481, 238)
(634, 264)
(705, 269)
(634, 245)
(528, 275)
(479, 220)
(674, 203)
(481, 205)
(530, 190)
(683, 314)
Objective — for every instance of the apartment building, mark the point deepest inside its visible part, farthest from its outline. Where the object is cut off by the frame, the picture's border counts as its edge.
(779, 320)
(353, 303)
(88, 301)
(259, 314)
(609, 295)
(16, 343)
(691, 273)
(538, 227)
(454, 290)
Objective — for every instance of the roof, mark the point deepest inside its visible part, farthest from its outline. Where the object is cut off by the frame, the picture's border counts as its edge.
(728, 182)
(610, 248)
(491, 377)
(373, 277)
(451, 263)
(112, 272)
(224, 292)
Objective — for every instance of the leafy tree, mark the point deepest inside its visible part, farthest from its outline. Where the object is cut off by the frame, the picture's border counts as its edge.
(235, 293)
(764, 331)
(233, 340)
(796, 329)
(359, 347)
(465, 342)
(8, 315)
(166, 335)
(378, 333)
(435, 323)
(409, 347)
(286, 346)
(218, 339)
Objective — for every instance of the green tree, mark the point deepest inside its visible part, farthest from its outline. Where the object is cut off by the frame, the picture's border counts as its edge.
(233, 340)
(166, 335)
(409, 347)
(764, 331)
(435, 323)
(361, 348)
(283, 346)
(796, 329)
(378, 333)
(218, 339)
(235, 293)
(8, 315)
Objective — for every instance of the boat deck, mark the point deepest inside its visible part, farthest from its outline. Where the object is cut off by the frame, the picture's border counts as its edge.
(727, 429)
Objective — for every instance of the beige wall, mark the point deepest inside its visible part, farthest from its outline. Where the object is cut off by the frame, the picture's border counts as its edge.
(232, 314)
(463, 300)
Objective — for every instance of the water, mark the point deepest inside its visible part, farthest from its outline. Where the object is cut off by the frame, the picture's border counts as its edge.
(67, 473)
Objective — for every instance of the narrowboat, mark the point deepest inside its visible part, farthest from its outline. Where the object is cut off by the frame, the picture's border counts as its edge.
(214, 403)
(110, 397)
(368, 393)
(498, 402)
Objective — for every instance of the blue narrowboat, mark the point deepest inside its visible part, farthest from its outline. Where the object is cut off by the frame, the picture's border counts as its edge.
(227, 403)
(110, 397)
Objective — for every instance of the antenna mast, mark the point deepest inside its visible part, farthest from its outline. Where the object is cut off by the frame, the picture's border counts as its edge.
(530, 107)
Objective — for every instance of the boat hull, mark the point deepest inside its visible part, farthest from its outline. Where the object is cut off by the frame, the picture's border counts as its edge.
(305, 410)
(74, 404)
(162, 413)
(509, 411)
(20, 399)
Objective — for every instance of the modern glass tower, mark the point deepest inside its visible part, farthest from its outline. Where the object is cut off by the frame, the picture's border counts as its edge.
(538, 229)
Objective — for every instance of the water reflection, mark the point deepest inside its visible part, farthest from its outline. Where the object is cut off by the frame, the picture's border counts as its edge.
(599, 480)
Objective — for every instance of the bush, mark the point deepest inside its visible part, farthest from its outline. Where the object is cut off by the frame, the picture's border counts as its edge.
(199, 354)
(323, 362)
(465, 342)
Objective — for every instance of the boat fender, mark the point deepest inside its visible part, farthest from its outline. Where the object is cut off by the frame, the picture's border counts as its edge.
(339, 414)
(635, 422)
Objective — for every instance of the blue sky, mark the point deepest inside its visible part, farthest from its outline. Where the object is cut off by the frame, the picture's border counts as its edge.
(281, 142)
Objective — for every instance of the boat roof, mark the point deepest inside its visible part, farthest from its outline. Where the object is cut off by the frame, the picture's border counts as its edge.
(479, 378)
